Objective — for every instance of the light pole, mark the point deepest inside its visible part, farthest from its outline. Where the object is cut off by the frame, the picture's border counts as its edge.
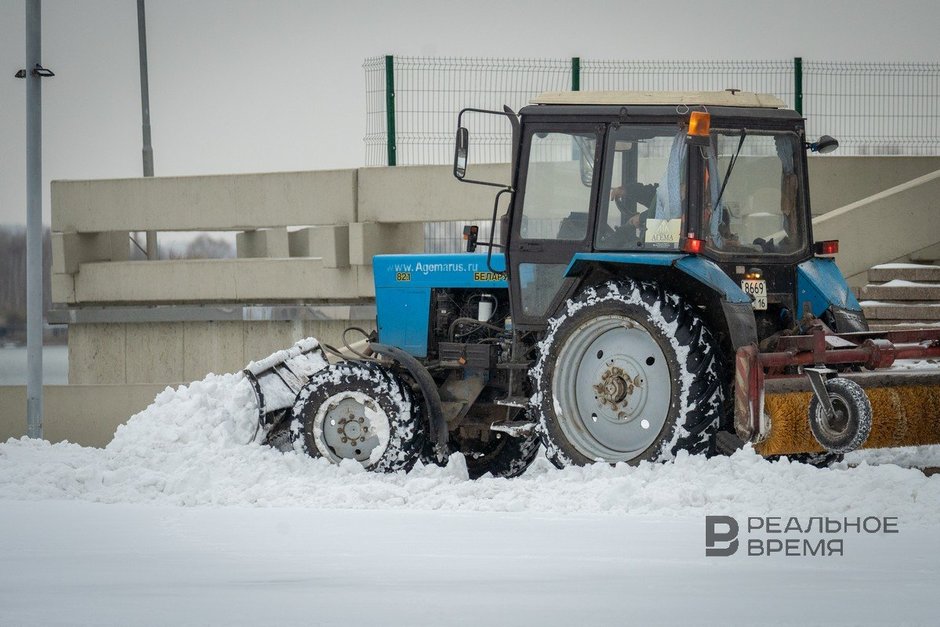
(34, 73)
(145, 113)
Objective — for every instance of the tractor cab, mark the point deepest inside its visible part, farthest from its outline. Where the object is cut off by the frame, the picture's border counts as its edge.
(643, 179)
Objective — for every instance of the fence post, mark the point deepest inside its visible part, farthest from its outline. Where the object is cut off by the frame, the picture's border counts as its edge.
(575, 73)
(798, 84)
(390, 108)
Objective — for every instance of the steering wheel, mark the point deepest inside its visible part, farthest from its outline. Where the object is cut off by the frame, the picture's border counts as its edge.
(622, 237)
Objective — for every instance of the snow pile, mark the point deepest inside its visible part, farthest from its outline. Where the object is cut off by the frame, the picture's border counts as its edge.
(190, 447)
(907, 457)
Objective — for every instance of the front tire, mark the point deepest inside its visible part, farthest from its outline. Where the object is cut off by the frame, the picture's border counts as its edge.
(628, 372)
(850, 425)
(361, 411)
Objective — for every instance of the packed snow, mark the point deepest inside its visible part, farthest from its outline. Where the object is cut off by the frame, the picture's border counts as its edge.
(77, 563)
(134, 534)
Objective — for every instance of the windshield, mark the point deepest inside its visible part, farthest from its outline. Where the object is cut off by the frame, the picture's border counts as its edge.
(753, 203)
(644, 188)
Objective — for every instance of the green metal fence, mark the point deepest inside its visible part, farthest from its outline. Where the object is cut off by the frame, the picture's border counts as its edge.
(770, 77)
(428, 94)
(872, 108)
(875, 108)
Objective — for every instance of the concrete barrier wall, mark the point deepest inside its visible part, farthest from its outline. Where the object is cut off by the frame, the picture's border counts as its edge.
(81, 414)
(218, 280)
(205, 203)
(839, 181)
(886, 227)
(164, 352)
(426, 194)
(396, 195)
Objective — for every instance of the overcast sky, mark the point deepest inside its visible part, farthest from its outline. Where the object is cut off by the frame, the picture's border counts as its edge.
(242, 86)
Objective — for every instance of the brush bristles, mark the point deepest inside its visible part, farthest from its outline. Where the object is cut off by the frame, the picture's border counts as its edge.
(901, 416)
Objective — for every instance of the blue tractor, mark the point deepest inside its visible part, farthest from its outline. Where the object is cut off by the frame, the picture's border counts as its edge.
(652, 286)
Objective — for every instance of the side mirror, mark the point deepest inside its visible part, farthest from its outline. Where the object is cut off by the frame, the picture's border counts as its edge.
(824, 145)
(460, 152)
(462, 146)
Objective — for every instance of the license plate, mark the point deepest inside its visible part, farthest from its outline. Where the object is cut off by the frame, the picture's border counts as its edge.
(757, 290)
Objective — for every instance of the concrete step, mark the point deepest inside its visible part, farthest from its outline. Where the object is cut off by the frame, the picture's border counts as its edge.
(905, 272)
(878, 310)
(899, 290)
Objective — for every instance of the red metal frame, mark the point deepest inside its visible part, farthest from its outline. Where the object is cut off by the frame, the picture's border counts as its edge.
(867, 349)
(821, 347)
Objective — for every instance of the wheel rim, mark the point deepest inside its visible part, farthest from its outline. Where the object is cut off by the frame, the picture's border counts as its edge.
(351, 425)
(834, 427)
(612, 388)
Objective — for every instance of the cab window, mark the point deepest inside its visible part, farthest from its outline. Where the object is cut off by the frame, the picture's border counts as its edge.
(558, 186)
(643, 194)
(753, 199)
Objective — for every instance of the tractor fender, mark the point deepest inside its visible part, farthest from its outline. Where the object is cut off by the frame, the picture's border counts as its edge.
(429, 392)
(820, 283)
(737, 313)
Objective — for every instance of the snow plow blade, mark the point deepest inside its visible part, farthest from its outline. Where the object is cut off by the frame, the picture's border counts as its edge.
(277, 379)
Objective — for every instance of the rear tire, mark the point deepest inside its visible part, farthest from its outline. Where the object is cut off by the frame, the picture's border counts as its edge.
(628, 372)
(361, 411)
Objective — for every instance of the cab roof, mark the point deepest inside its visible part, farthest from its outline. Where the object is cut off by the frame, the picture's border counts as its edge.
(728, 98)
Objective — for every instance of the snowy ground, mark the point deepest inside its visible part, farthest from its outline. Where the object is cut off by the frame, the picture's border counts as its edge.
(83, 563)
(179, 521)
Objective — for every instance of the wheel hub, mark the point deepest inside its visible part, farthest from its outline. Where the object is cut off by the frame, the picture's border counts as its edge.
(616, 388)
(345, 423)
(837, 423)
(352, 428)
